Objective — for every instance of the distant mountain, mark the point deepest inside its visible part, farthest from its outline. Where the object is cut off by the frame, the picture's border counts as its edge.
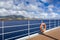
(12, 16)
(16, 17)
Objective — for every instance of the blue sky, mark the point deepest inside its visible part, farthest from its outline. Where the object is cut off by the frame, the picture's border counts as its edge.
(31, 8)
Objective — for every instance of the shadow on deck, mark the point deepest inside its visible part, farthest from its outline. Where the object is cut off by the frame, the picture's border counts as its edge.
(51, 35)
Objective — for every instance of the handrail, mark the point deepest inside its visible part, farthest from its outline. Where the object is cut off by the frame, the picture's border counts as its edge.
(48, 23)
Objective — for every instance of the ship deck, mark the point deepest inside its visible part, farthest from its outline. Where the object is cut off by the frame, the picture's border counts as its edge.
(51, 35)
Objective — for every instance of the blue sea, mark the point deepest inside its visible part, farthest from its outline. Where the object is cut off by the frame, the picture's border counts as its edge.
(16, 29)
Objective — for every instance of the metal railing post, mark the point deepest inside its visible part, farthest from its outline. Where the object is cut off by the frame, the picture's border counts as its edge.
(54, 23)
(28, 28)
(58, 22)
(2, 30)
(49, 23)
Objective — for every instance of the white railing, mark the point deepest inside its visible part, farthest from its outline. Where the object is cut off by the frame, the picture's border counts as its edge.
(28, 28)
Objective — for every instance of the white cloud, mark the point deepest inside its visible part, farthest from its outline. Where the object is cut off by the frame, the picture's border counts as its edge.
(52, 15)
(51, 6)
(31, 10)
(58, 10)
(44, 0)
(6, 4)
(3, 12)
(43, 15)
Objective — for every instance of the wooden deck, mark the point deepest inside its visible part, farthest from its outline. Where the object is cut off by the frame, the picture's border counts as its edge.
(51, 35)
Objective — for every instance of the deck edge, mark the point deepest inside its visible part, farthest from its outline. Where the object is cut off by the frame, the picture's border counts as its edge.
(27, 37)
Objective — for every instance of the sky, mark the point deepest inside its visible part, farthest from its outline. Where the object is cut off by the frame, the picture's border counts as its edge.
(31, 8)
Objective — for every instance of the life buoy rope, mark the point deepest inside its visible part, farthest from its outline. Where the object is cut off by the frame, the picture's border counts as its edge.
(43, 25)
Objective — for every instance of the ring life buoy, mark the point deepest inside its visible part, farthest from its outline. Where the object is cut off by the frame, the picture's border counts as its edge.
(43, 27)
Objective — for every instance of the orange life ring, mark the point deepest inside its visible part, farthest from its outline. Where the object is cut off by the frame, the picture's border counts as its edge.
(43, 25)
